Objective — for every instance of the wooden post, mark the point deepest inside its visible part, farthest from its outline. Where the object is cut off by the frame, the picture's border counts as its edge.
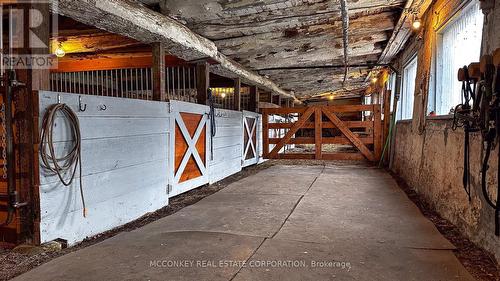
(237, 94)
(265, 133)
(202, 82)
(254, 99)
(318, 132)
(158, 72)
(377, 132)
(387, 118)
(277, 100)
(25, 121)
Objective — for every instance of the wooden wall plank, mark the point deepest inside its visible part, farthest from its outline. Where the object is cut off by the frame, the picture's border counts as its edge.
(124, 157)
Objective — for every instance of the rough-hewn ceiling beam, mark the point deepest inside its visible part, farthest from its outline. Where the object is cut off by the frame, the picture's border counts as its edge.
(131, 19)
(292, 33)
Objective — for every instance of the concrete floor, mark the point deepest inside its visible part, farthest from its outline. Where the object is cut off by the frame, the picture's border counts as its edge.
(284, 223)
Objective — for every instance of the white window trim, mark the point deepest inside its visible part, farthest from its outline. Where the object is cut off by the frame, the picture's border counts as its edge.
(412, 59)
(434, 91)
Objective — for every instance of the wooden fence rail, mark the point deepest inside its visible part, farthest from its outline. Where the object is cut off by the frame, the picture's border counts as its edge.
(364, 135)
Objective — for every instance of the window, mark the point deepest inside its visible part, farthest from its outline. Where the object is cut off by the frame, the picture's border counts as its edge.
(391, 85)
(405, 110)
(459, 44)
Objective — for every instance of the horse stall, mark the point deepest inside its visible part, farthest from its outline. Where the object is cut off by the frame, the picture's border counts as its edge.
(190, 146)
(135, 155)
(252, 134)
(226, 145)
(124, 156)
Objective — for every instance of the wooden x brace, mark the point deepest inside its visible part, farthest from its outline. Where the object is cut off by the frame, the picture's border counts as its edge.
(191, 142)
(250, 134)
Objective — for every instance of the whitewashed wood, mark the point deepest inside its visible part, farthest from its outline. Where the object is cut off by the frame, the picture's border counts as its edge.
(125, 107)
(251, 130)
(103, 216)
(177, 107)
(227, 144)
(125, 166)
(56, 200)
(111, 127)
(102, 155)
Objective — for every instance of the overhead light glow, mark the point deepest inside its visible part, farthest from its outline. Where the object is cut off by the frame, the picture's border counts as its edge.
(223, 95)
(374, 80)
(60, 51)
(331, 97)
(416, 23)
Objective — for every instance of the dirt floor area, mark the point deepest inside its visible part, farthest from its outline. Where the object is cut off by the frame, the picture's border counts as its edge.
(479, 263)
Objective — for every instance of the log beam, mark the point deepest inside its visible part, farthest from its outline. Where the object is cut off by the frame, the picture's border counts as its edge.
(158, 72)
(202, 82)
(131, 19)
(254, 99)
(237, 94)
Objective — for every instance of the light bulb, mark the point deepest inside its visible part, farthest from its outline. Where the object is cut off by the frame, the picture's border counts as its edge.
(331, 97)
(374, 80)
(60, 51)
(416, 24)
(223, 95)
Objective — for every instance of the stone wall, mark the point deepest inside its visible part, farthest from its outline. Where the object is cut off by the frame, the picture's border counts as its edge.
(428, 154)
(432, 164)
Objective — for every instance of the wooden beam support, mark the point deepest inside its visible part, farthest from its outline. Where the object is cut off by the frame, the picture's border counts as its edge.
(254, 99)
(377, 132)
(120, 17)
(318, 132)
(387, 118)
(158, 72)
(237, 94)
(202, 82)
(276, 100)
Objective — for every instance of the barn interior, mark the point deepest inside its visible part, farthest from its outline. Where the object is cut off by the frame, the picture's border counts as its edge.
(250, 140)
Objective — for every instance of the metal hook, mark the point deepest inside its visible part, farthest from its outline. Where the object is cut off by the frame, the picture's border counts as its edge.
(82, 109)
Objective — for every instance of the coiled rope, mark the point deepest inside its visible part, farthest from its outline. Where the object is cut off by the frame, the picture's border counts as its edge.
(60, 166)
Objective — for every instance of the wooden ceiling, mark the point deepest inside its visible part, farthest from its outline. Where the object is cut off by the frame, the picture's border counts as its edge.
(291, 41)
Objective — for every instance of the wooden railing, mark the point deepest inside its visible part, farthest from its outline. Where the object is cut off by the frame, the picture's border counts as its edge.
(364, 135)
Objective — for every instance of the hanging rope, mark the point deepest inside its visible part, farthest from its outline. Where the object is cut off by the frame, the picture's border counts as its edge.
(345, 37)
(60, 166)
(213, 127)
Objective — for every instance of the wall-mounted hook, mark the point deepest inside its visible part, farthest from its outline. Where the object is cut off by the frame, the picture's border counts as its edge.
(80, 107)
(102, 107)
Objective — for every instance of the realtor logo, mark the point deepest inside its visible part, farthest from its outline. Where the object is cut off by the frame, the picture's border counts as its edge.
(26, 26)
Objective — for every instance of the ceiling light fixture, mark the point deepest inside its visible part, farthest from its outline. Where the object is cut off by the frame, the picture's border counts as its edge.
(60, 51)
(416, 24)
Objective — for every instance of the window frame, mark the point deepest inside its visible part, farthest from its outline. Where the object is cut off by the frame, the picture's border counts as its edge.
(402, 99)
(435, 96)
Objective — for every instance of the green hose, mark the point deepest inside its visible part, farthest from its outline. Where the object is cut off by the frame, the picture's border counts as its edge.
(388, 141)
